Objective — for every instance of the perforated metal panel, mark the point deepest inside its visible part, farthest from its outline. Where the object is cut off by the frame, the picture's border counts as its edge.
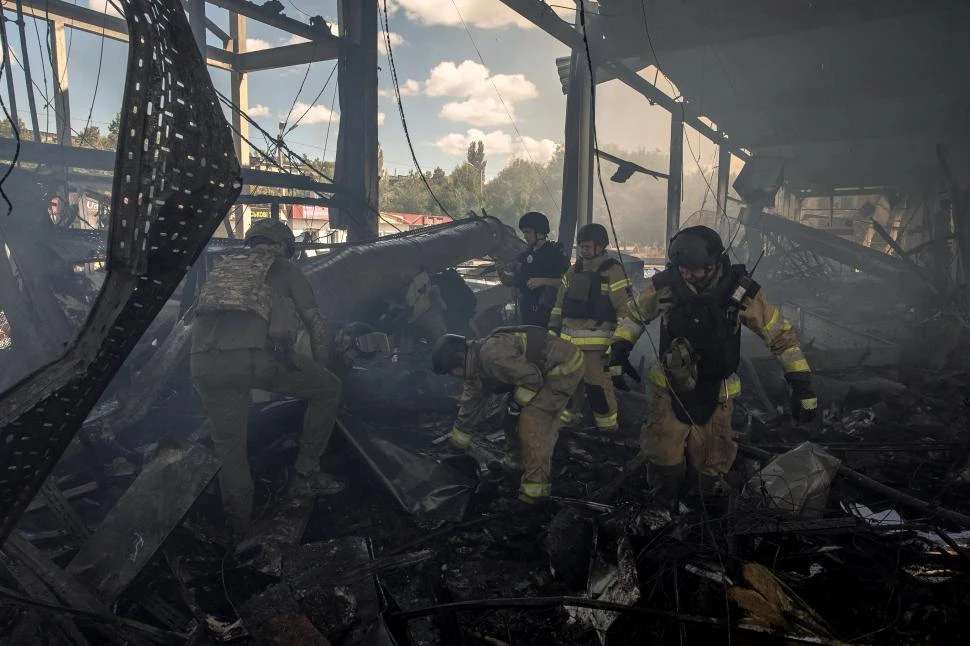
(176, 177)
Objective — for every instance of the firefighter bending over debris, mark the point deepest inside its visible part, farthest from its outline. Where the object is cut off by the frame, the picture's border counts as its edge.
(249, 314)
(702, 300)
(537, 272)
(594, 295)
(540, 371)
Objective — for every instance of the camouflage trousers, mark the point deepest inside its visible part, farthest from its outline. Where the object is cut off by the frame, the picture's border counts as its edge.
(224, 380)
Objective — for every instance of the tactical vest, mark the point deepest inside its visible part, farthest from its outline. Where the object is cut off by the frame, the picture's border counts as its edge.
(588, 294)
(237, 283)
(709, 321)
(536, 339)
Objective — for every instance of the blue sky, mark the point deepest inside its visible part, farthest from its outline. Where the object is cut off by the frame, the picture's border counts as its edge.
(451, 97)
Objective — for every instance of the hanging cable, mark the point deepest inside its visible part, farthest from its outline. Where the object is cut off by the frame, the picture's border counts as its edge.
(97, 79)
(228, 102)
(16, 153)
(385, 24)
(311, 104)
(508, 112)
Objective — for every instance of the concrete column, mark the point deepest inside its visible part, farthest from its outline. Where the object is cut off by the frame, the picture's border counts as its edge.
(723, 179)
(240, 88)
(577, 179)
(356, 171)
(676, 173)
(62, 100)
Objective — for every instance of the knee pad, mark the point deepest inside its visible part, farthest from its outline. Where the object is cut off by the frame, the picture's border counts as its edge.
(597, 399)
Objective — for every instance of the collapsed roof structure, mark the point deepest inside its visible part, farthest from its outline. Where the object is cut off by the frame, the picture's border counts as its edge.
(854, 529)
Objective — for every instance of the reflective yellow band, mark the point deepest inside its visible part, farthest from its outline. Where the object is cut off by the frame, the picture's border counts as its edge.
(536, 489)
(624, 333)
(586, 340)
(460, 438)
(523, 395)
(772, 322)
(605, 422)
(799, 365)
(569, 366)
(810, 404)
(730, 388)
(620, 284)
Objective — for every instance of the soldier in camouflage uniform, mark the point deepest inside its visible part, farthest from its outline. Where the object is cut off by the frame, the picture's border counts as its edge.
(540, 372)
(250, 310)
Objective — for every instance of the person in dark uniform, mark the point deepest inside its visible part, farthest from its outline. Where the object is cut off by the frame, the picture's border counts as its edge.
(537, 272)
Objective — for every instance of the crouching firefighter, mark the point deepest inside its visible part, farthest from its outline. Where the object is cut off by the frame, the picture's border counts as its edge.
(594, 295)
(539, 371)
(250, 311)
(702, 300)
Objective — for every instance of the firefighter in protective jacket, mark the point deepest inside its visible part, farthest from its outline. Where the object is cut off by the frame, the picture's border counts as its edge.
(595, 294)
(250, 311)
(539, 371)
(702, 300)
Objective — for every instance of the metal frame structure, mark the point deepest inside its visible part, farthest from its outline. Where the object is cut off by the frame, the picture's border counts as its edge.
(577, 207)
(357, 48)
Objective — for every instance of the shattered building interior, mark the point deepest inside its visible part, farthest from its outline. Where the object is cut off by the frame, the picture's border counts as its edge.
(853, 210)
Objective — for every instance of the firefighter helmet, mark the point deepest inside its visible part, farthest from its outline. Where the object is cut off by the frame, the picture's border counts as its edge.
(536, 221)
(274, 231)
(695, 248)
(449, 353)
(594, 233)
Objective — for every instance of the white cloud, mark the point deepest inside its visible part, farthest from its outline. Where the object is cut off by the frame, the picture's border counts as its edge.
(481, 91)
(487, 14)
(410, 88)
(380, 118)
(314, 114)
(448, 79)
(258, 111)
(498, 142)
(102, 6)
(256, 44)
(477, 111)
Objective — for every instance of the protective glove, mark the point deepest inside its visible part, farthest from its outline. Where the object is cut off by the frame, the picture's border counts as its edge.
(619, 364)
(804, 402)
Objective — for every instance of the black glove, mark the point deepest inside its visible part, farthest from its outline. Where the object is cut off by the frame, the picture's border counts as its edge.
(620, 365)
(804, 402)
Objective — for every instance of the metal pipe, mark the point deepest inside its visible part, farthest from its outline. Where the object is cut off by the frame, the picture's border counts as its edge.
(347, 280)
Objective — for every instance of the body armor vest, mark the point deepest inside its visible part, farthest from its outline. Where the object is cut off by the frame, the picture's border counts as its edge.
(710, 322)
(238, 284)
(588, 294)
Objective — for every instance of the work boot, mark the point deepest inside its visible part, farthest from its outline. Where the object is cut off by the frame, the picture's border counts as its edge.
(665, 484)
(316, 484)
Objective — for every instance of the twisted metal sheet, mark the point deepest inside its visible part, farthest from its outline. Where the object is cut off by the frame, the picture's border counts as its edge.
(176, 177)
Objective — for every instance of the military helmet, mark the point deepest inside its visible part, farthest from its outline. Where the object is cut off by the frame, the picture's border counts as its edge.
(274, 231)
(594, 233)
(536, 221)
(449, 353)
(695, 248)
